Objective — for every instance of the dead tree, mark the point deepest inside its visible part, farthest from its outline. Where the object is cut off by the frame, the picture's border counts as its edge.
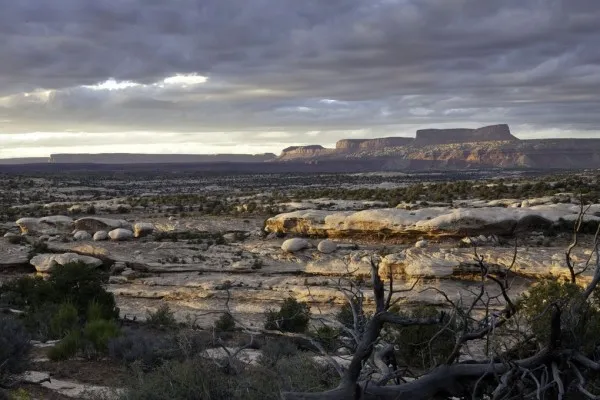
(550, 372)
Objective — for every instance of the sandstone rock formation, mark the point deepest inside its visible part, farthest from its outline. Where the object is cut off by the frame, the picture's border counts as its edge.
(49, 225)
(120, 234)
(304, 151)
(45, 262)
(427, 222)
(440, 262)
(352, 145)
(95, 224)
(486, 147)
(426, 137)
(13, 257)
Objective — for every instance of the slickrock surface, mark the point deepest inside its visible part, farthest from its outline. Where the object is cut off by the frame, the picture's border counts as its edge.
(426, 222)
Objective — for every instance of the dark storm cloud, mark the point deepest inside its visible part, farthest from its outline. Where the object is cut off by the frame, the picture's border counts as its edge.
(384, 66)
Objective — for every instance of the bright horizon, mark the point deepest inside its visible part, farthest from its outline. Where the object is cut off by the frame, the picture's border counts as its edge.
(42, 150)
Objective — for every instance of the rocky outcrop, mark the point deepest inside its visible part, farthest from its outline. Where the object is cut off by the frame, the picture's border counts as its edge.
(487, 147)
(540, 154)
(45, 262)
(352, 145)
(456, 262)
(304, 152)
(47, 225)
(14, 257)
(95, 224)
(492, 133)
(432, 222)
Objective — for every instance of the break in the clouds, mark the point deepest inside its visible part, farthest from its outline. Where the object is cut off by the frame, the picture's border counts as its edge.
(200, 75)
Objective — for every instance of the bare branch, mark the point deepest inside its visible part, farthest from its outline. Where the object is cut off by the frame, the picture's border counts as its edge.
(558, 381)
(576, 229)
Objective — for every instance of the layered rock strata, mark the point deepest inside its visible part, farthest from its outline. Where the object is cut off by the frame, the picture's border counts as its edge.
(432, 222)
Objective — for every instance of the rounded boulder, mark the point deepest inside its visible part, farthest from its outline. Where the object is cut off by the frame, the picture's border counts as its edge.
(100, 235)
(141, 229)
(327, 246)
(120, 234)
(82, 235)
(421, 244)
(295, 244)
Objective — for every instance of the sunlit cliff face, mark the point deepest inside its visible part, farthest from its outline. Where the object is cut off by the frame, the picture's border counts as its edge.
(257, 76)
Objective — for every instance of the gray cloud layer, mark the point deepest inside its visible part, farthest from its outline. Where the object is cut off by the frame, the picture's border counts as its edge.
(383, 67)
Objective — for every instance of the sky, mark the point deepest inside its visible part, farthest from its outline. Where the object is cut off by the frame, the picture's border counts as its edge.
(253, 76)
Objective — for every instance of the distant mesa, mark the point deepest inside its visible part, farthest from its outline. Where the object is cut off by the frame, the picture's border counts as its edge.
(127, 158)
(135, 158)
(24, 160)
(491, 146)
(305, 151)
(492, 133)
(424, 137)
(351, 145)
(308, 149)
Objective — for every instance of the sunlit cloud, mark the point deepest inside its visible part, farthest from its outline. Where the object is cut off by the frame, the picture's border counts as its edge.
(185, 80)
(112, 84)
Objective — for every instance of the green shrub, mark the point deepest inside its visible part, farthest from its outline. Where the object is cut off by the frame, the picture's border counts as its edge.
(95, 311)
(300, 373)
(190, 379)
(580, 332)
(345, 315)
(81, 285)
(49, 304)
(201, 379)
(328, 337)
(14, 348)
(293, 316)
(276, 349)
(66, 348)
(64, 320)
(97, 334)
(19, 394)
(39, 322)
(422, 346)
(92, 340)
(162, 317)
(149, 350)
(17, 240)
(75, 283)
(27, 292)
(225, 323)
